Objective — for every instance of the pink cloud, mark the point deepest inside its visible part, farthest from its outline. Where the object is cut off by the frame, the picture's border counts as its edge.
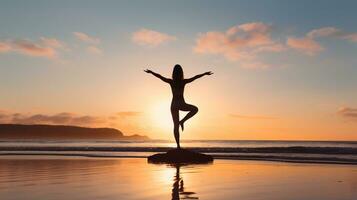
(236, 42)
(45, 47)
(94, 50)
(220, 43)
(324, 32)
(52, 42)
(33, 49)
(271, 48)
(309, 44)
(255, 27)
(240, 43)
(251, 34)
(86, 38)
(351, 37)
(305, 45)
(152, 38)
(332, 32)
(4, 47)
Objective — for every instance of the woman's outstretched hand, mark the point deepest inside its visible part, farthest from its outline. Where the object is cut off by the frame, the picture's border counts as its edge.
(148, 71)
(208, 73)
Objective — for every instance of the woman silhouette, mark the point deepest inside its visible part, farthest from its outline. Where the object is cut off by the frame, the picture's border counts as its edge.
(178, 103)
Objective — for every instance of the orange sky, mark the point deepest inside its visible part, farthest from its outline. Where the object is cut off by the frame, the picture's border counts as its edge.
(275, 77)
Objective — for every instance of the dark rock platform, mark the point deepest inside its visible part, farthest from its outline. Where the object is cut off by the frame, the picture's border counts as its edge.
(180, 156)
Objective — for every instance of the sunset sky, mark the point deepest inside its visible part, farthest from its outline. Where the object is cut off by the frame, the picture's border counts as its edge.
(283, 70)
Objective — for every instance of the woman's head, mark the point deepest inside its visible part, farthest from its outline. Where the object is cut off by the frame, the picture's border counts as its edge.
(177, 73)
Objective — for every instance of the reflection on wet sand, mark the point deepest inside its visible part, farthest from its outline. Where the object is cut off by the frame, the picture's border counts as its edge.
(178, 190)
(63, 177)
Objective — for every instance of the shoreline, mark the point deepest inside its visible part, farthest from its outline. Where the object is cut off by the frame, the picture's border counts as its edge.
(300, 160)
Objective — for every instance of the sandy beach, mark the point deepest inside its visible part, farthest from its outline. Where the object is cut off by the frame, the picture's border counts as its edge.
(70, 177)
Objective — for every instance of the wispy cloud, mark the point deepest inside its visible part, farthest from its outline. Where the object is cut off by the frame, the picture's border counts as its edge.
(33, 49)
(305, 45)
(128, 113)
(151, 38)
(348, 112)
(91, 41)
(86, 38)
(45, 47)
(4, 47)
(121, 120)
(61, 118)
(94, 50)
(252, 117)
(309, 45)
(52, 42)
(324, 32)
(333, 33)
(240, 43)
(351, 37)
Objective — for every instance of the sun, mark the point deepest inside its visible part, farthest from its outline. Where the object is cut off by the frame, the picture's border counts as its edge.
(161, 115)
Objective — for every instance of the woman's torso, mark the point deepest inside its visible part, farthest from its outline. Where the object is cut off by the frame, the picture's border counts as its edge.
(177, 89)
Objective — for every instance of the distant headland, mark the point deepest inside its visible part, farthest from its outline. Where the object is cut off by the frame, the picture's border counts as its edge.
(62, 132)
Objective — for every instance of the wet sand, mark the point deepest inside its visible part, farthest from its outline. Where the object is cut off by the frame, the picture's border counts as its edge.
(69, 177)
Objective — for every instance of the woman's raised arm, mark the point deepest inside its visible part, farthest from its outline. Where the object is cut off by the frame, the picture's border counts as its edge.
(197, 76)
(167, 80)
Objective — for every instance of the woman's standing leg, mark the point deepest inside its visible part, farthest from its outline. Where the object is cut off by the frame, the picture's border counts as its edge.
(176, 119)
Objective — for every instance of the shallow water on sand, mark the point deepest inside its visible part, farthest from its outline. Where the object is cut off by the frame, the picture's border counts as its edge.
(65, 177)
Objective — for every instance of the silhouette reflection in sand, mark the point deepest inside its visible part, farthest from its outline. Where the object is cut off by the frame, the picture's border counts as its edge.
(178, 189)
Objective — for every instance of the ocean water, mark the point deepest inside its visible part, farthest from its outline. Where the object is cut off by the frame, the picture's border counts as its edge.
(292, 151)
(57, 170)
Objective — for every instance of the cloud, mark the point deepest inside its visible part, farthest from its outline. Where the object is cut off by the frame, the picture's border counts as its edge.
(86, 38)
(94, 50)
(239, 43)
(52, 42)
(151, 38)
(324, 32)
(91, 41)
(4, 47)
(252, 117)
(61, 118)
(128, 114)
(348, 112)
(305, 45)
(45, 47)
(30, 48)
(351, 37)
(310, 46)
(121, 120)
(333, 33)
(270, 48)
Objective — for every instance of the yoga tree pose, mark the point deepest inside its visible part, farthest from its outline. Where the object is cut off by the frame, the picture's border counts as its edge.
(178, 103)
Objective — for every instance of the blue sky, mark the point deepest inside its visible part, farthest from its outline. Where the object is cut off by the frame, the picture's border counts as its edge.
(101, 75)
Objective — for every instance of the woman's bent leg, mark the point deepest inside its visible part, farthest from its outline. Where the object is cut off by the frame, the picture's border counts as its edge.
(176, 120)
(192, 111)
